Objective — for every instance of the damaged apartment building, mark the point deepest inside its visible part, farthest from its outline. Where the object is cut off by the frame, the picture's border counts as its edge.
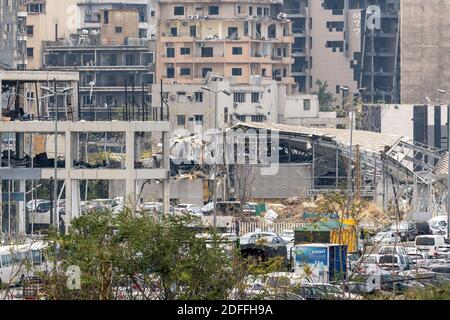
(115, 58)
(12, 35)
(357, 39)
(247, 47)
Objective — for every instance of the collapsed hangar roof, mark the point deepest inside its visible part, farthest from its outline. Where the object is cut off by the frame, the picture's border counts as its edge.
(369, 141)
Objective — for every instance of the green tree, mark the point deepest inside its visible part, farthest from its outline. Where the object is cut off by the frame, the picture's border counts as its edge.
(326, 98)
(146, 257)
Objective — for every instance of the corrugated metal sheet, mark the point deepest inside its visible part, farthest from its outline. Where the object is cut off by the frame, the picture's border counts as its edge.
(369, 141)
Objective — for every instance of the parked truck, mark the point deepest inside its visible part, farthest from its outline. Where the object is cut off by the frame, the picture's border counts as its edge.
(331, 232)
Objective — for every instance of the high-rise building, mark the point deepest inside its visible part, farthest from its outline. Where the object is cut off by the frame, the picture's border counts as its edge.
(425, 53)
(12, 35)
(247, 46)
(116, 65)
(346, 43)
(89, 16)
(243, 40)
(47, 20)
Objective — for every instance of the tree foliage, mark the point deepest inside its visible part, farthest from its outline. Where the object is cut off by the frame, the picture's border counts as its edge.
(326, 98)
(146, 257)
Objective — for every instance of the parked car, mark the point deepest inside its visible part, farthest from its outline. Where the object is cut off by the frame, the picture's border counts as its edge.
(438, 225)
(183, 207)
(393, 262)
(196, 211)
(428, 244)
(153, 207)
(440, 268)
(323, 292)
(405, 229)
(389, 249)
(423, 228)
(253, 237)
(288, 235)
(385, 237)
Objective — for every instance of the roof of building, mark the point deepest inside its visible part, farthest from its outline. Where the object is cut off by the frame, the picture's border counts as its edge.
(369, 141)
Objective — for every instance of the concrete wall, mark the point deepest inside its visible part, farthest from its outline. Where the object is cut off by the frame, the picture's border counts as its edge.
(59, 15)
(425, 53)
(290, 181)
(182, 191)
(333, 67)
(126, 20)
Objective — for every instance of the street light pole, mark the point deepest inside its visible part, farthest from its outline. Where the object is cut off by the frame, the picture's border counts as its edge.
(448, 160)
(216, 94)
(352, 117)
(55, 181)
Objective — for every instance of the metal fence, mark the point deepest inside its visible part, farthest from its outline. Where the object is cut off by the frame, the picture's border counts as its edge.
(248, 226)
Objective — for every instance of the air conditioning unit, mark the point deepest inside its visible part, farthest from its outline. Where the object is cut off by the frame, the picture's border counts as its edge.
(235, 105)
(88, 12)
(184, 23)
(190, 96)
(201, 44)
(168, 44)
(191, 16)
(172, 96)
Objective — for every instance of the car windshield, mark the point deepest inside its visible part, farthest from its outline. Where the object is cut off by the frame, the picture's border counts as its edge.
(386, 250)
(425, 241)
(388, 259)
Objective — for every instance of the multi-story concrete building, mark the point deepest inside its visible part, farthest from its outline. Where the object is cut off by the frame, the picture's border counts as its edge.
(243, 40)
(47, 20)
(246, 46)
(89, 14)
(193, 107)
(425, 46)
(27, 161)
(12, 35)
(344, 37)
(115, 64)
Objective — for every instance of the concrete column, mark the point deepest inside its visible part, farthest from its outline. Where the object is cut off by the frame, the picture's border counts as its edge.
(21, 211)
(166, 164)
(1, 107)
(130, 189)
(75, 98)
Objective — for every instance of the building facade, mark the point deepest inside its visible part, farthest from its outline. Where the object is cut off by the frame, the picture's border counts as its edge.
(89, 15)
(116, 66)
(351, 38)
(12, 35)
(243, 40)
(426, 48)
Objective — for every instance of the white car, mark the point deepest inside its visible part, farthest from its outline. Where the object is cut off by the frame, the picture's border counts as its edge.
(153, 207)
(386, 237)
(184, 207)
(429, 244)
(253, 237)
(391, 249)
(438, 225)
(288, 235)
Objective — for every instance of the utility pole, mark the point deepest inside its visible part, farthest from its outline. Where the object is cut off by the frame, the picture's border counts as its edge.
(448, 162)
(216, 94)
(55, 181)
